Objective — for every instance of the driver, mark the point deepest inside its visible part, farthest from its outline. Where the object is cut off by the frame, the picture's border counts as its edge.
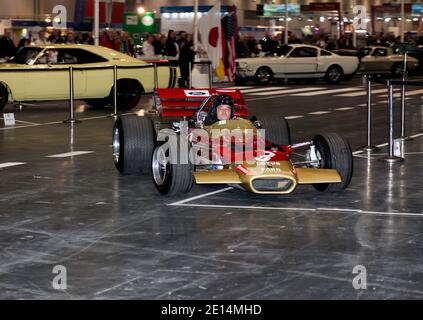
(221, 109)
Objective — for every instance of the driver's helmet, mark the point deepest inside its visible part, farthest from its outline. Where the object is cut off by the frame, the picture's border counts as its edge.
(219, 100)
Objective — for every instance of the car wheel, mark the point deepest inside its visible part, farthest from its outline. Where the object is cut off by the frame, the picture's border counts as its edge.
(128, 94)
(98, 103)
(334, 153)
(263, 76)
(397, 70)
(4, 96)
(171, 177)
(334, 74)
(133, 144)
(277, 130)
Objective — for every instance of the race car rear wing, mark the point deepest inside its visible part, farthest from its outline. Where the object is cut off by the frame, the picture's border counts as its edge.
(180, 102)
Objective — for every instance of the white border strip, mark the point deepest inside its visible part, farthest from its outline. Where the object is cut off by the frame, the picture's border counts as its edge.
(21, 121)
(69, 154)
(178, 203)
(11, 164)
(354, 211)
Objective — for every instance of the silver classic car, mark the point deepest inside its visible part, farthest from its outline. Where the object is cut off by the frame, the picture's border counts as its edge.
(296, 61)
(383, 60)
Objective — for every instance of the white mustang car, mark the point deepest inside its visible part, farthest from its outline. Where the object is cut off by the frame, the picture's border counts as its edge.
(296, 61)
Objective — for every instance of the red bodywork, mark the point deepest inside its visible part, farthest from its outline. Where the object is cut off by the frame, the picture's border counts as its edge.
(226, 148)
(183, 102)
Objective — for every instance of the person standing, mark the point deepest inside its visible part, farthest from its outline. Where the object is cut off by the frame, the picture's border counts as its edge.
(147, 47)
(186, 56)
(7, 47)
(157, 44)
(126, 46)
(171, 47)
(42, 38)
(109, 40)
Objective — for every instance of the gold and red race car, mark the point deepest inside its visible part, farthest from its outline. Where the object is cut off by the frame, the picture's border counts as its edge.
(253, 154)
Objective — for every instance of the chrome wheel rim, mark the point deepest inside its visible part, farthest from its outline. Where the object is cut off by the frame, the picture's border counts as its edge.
(263, 75)
(159, 166)
(399, 70)
(116, 145)
(334, 74)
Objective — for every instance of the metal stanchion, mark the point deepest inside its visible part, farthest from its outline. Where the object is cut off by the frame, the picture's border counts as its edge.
(404, 78)
(114, 114)
(71, 119)
(391, 158)
(190, 75)
(369, 147)
(210, 75)
(156, 76)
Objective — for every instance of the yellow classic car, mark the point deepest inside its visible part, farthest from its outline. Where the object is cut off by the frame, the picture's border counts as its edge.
(40, 73)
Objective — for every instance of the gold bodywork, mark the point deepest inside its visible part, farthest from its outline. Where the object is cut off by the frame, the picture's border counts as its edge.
(32, 82)
(277, 170)
(282, 172)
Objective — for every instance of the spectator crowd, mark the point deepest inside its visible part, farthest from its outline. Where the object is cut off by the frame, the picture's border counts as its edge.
(179, 46)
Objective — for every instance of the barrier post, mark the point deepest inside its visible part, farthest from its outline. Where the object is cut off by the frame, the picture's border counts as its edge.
(369, 147)
(190, 75)
(114, 93)
(210, 75)
(391, 158)
(404, 78)
(71, 119)
(156, 76)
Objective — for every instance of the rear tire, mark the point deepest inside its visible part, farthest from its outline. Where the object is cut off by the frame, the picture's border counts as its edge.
(4, 96)
(277, 130)
(334, 74)
(171, 177)
(133, 144)
(397, 70)
(335, 152)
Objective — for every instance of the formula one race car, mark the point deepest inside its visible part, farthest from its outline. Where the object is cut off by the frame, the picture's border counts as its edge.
(253, 154)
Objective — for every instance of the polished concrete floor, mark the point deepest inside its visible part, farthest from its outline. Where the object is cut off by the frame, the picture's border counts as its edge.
(119, 239)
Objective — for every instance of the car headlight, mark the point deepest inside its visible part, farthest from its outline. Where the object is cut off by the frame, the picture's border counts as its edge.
(242, 65)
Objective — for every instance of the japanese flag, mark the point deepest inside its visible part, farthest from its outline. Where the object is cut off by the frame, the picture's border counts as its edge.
(211, 33)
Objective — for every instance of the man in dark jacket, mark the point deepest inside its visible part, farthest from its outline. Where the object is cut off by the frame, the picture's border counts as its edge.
(187, 55)
(7, 47)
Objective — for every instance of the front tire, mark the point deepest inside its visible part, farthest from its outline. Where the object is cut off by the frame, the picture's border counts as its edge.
(170, 176)
(335, 153)
(4, 97)
(263, 76)
(133, 144)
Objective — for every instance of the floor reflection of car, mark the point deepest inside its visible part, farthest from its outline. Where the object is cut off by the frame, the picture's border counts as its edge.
(296, 61)
(378, 59)
(39, 73)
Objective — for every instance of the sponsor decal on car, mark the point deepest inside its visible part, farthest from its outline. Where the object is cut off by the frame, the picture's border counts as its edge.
(268, 155)
(242, 169)
(196, 93)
